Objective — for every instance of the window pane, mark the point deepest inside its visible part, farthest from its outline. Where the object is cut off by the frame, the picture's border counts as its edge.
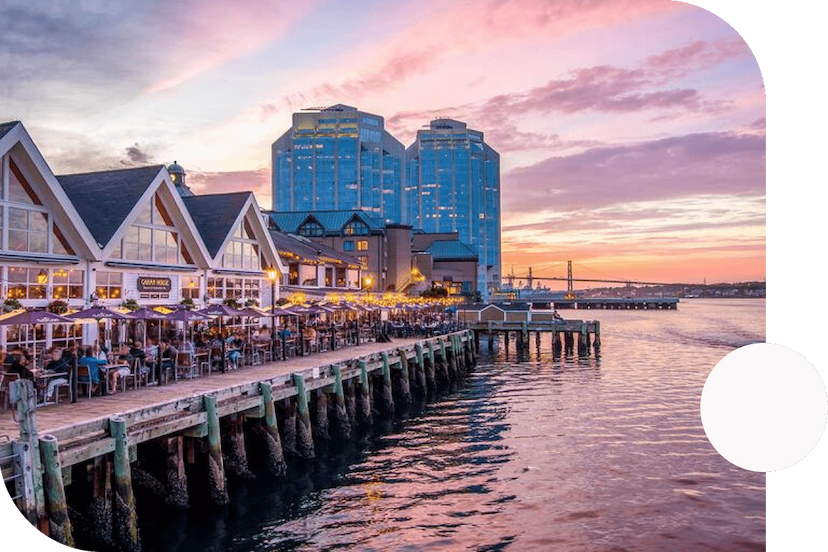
(20, 193)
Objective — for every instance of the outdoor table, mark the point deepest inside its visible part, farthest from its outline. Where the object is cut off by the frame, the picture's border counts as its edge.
(43, 377)
(105, 374)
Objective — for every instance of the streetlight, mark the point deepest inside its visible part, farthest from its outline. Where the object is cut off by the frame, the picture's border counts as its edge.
(272, 275)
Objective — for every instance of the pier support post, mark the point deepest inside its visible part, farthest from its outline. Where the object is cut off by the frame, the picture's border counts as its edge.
(342, 422)
(124, 513)
(422, 382)
(320, 423)
(176, 476)
(27, 449)
(490, 339)
(387, 391)
(99, 511)
(60, 529)
(236, 456)
(273, 444)
(405, 380)
(506, 342)
(304, 431)
(215, 459)
(556, 342)
(364, 398)
(430, 368)
(597, 340)
(289, 437)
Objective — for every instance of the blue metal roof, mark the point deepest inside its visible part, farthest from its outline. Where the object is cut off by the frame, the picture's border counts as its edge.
(331, 221)
(451, 250)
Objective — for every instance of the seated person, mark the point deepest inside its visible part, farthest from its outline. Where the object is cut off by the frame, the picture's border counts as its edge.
(17, 362)
(94, 363)
(234, 346)
(59, 364)
(124, 358)
(167, 353)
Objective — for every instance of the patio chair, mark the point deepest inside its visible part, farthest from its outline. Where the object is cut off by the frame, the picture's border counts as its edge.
(186, 363)
(136, 375)
(5, 380)
(83, 370)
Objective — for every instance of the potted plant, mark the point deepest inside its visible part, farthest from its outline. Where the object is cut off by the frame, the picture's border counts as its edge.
(130, 304)
(58, 307)
(11, 304)
(188, 303)
(232, 303)
(251, 303)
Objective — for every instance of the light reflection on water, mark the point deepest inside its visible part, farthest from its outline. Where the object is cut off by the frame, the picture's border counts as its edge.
(532, 453)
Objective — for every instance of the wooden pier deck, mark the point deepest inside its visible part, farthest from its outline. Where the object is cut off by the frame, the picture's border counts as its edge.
(199, 424)
(60, 417)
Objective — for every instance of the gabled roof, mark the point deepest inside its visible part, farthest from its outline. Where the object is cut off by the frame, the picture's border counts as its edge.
(331, 221)
(451, 250)
(472, 307)
(310, 251)
(215, 215)
(104, 199)
(6, 127)
(514, 306)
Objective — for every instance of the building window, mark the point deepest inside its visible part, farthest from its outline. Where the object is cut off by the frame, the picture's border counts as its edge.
(27, 283)
(362, 245)
(152, 238)
(233, 288)
(242, 251)
(25, 224)
(67, 284)
(108, 285)
(363, 261)
(190, 287)
(311, 229)
(356, 228)
(348, 245)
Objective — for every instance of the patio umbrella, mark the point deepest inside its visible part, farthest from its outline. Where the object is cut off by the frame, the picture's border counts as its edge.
(32, 318)
(187, 316)
(98, 313)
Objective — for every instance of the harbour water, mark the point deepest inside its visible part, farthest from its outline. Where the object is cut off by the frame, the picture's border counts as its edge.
(531, 453)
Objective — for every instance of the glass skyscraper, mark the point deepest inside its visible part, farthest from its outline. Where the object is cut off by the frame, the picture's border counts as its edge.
(338, 158)
(453, 185)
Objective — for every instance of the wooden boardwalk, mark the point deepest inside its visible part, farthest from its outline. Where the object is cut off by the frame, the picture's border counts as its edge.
(54, 417)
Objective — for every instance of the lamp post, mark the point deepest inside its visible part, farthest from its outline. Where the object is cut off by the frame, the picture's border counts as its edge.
(272, 275)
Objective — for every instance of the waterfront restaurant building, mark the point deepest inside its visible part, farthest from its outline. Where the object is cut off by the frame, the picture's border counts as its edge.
(114, 236)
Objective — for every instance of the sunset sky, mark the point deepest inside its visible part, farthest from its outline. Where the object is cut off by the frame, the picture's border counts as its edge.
(631, 132)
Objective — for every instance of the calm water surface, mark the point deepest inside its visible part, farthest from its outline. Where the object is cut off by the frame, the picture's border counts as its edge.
(536, 453)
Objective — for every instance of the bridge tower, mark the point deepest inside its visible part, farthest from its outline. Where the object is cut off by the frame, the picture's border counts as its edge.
(570, 289)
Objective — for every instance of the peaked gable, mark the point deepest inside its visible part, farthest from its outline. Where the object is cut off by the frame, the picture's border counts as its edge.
(36, 186)
(105, 199)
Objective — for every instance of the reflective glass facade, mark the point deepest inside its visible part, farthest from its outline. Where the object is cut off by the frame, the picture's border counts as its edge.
(338, 158)
(453, 185)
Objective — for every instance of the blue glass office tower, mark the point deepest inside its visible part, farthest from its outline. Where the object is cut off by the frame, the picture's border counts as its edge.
(453, 185)
(338, 158)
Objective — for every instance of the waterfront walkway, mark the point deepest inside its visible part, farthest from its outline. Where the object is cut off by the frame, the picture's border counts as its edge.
(53, 417)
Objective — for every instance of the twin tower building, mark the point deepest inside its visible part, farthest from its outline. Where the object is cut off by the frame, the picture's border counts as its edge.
(448, 181)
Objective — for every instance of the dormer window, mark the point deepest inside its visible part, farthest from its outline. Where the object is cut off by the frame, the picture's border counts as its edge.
(311, 229)
(356, 228)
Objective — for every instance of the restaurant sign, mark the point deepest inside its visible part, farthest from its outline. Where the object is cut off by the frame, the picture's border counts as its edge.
(154, 285)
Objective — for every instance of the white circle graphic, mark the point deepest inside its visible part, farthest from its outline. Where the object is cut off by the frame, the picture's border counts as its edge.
(764, 407)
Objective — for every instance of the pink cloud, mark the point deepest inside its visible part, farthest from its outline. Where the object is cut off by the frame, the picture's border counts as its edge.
(711, 163)
(199, 35)
(256, 181)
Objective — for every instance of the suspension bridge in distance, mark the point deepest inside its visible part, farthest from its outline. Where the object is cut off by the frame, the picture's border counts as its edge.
(545, 298)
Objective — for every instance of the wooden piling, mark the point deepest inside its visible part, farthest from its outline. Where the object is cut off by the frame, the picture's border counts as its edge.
(304, 431)
(275, 460)
(387, 391)
(125, 516)
(289, 428)
(215, 458)
(597, 340)
(422, 381)
(342, 422)
(405, 380)
(236, 456)
(99, 511)
(320, 422)
(60, 529)
(176, 475)
(431, 378)
(27, 450)
(364, 398)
